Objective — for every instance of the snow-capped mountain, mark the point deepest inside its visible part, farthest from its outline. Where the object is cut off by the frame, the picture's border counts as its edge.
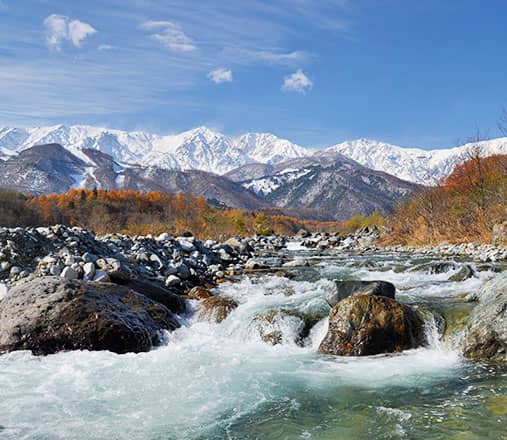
(200, 148)
(267, 148)
(414, 164)
(208, 150)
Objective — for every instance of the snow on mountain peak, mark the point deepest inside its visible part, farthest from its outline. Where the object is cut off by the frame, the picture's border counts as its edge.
(206, 149)
(200, 148)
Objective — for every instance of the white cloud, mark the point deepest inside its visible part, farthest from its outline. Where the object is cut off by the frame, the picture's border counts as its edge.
(272, 57)
(297, 82)
(78, 31)
(170, 35)
(220, 76)
(60, 28)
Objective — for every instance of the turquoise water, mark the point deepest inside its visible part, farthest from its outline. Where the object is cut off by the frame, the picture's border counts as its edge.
(214, 381)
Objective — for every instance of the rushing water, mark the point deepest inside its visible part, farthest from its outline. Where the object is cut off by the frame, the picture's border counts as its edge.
(214, 381)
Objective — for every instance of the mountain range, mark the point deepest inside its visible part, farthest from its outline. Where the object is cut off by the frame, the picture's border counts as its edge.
(208, 150)
(253, 171)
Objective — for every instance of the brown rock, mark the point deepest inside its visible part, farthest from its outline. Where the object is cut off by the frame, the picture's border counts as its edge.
(198, 293)
(367, 324)
(216, 309)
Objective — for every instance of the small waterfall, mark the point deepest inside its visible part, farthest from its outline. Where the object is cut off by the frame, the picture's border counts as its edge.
(433, 333)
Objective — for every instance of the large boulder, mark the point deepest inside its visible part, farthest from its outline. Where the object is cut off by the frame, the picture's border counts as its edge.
(486, 332)
(216, 309)
(344, 289)
(367, 324)
(52, 314)
(168, 297)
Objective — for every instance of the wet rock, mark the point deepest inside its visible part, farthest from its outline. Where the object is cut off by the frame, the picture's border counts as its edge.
(198, 293)
(51, 314)
(169, 298)
(282, 326)
(486, 332)
(435, 268)
(367, 325)
(216, 309)
(347, 288)
(298, 262)
(463, 274)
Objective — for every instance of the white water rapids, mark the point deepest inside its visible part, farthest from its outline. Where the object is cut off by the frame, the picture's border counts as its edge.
(222, 381)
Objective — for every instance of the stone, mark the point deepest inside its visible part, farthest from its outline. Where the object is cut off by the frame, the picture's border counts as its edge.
(69, 273)
(216, 309)
(114, 268)
(281, 326)
(88, 271)
(51, 314)
(198, 293)
(347, 288)
(463, 274)
(88, 257)
(172, 281)
(169, 298)
(486, 332)
(298, 262)
(101, 276)
(366, 325)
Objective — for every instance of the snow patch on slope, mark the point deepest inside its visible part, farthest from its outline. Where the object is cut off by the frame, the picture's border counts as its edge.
(267, 185)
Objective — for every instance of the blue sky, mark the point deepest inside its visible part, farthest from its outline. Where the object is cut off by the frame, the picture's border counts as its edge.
(411, 72)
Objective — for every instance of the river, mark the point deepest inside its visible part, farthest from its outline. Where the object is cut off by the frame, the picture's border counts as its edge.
(216, 381)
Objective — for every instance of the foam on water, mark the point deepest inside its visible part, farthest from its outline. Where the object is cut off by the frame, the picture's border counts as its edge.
(209, 378)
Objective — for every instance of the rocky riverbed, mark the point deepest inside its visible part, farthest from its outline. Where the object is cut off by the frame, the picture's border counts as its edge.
(330, 334)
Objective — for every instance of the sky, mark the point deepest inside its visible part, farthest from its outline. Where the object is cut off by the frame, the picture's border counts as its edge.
(410, 72)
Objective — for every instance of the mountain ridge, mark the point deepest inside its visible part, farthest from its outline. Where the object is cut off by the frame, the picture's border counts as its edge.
(206, 149)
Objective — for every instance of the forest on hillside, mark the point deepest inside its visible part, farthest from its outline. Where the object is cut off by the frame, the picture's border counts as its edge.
(461, 208)
(136, 213)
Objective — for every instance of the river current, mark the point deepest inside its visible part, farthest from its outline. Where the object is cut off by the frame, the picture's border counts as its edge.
(219, 381)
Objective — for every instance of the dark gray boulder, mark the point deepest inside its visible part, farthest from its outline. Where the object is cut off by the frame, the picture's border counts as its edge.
(344, 289)
(51, 314)
(486, 332)
(168, 297)
(367, 325)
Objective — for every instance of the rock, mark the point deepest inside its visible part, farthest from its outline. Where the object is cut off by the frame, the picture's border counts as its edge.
(114, 268)
(486, 332)
(463, 274)
(367, 324)
(198, 293)
(88, 257)
(298, 262)
(253, 264)
(302, 233)
(344, 289)
(69, 273)
(101, 276)
(51, 314)
(435, 268)
(172, 281)
(281, 326)
(186, 245)
(88, 271)
(169, 298)
(216, 309)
